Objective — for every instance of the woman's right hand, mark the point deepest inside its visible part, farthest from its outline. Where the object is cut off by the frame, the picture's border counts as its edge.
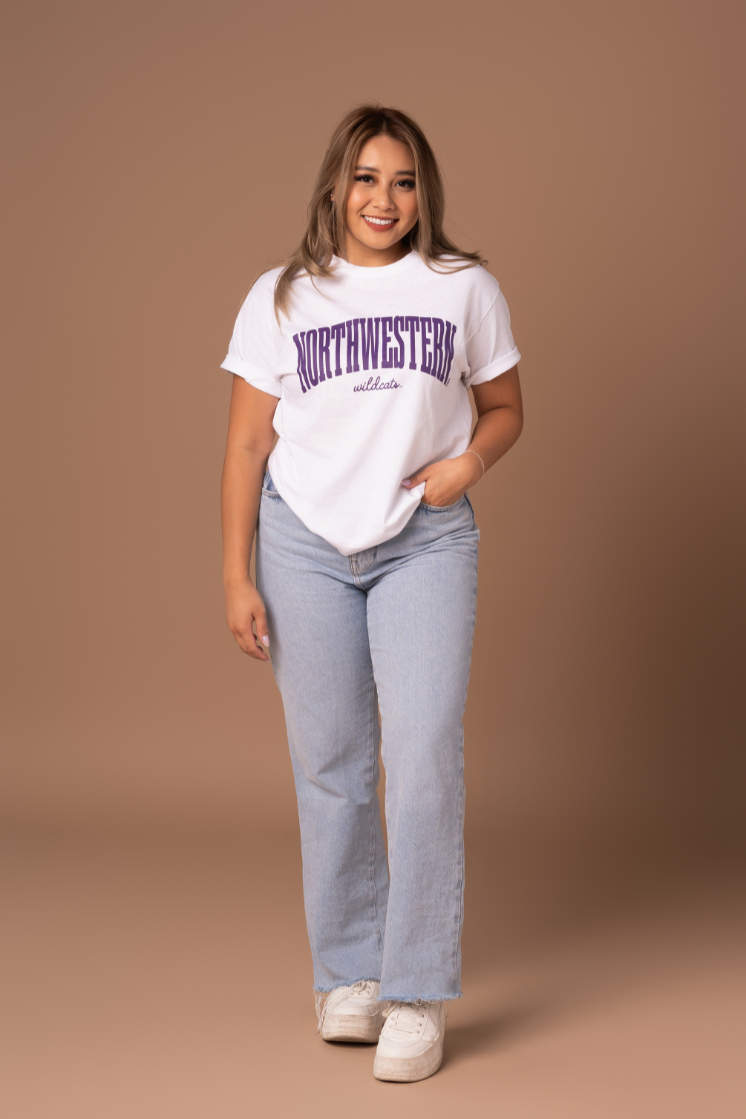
(244, 606)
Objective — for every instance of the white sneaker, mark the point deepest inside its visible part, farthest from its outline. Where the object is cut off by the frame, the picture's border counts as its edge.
(352, 1013)
(411, 1043)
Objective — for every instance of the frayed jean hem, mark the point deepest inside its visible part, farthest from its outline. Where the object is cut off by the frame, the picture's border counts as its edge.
(420, 998)
(348, 983)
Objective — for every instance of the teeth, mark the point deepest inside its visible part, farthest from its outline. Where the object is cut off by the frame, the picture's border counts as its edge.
(378, 221)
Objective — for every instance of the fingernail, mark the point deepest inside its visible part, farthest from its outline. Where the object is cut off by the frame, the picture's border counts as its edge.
(406, 482)
(265, 639)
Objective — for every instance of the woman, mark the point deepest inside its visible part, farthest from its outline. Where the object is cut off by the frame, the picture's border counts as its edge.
(360, 353)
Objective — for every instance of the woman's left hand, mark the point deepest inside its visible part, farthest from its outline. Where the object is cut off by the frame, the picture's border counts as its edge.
(448, 480)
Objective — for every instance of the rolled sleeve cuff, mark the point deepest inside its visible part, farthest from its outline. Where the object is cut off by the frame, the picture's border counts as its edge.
(256, 377)
(489, 372)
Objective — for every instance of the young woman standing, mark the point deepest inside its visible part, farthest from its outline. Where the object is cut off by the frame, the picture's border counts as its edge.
(360, 354)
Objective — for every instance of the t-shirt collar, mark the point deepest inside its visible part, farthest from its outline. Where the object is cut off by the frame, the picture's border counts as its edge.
(384, 272)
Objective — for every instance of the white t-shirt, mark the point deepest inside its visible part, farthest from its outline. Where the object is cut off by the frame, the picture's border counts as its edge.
(372, 369)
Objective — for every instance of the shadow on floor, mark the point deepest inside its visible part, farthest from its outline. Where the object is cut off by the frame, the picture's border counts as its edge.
(491, 1032)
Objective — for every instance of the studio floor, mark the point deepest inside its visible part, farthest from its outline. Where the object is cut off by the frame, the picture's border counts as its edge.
(166, 975)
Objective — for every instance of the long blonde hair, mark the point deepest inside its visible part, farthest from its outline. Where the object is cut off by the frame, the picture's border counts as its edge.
(324, 237)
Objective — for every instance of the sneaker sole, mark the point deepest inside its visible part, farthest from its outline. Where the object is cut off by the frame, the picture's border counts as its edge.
(406, 1070)
(352, 1027)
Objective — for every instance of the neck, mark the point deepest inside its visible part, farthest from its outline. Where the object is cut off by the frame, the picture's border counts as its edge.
(365, 257)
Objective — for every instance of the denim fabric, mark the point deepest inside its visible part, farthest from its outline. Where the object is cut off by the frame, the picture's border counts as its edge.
(391, 626)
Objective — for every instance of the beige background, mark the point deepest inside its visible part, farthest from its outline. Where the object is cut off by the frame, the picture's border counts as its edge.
(158, 156)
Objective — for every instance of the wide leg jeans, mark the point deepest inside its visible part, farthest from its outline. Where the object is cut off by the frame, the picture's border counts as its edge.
(391, 628)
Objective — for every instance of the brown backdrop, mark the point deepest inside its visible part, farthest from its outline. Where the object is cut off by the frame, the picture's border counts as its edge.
(158, 156)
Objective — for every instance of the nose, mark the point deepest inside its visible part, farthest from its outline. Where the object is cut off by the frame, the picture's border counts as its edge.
(383, 199)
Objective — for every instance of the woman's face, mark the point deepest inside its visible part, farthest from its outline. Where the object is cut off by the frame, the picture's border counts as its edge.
(382, 203)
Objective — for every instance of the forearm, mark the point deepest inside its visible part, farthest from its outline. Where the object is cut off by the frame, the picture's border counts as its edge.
(495, 433)
(243, 472)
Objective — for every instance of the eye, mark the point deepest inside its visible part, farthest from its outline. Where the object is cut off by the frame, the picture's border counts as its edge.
(407, 183)
(363, 178)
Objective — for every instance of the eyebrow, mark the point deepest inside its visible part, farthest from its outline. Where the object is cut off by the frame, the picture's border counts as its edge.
(364, 167)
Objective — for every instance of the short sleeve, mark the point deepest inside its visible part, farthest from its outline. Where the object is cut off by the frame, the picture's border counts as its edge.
(254, 347)
(491, 350)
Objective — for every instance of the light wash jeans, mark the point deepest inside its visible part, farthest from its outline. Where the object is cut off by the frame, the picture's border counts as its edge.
(390, 626)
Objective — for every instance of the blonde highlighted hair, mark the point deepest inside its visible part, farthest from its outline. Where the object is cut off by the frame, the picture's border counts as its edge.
(324, 237)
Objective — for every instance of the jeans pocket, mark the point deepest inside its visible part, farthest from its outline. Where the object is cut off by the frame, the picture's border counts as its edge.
(268, 486)
(443, 508)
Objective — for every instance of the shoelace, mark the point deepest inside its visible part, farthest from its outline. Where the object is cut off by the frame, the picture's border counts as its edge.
(361, 987)
(406, 1017)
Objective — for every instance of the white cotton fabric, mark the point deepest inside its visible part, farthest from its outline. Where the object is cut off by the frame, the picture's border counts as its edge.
(353, 417)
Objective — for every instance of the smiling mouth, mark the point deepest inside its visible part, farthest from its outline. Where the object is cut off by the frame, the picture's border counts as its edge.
(381, 225)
